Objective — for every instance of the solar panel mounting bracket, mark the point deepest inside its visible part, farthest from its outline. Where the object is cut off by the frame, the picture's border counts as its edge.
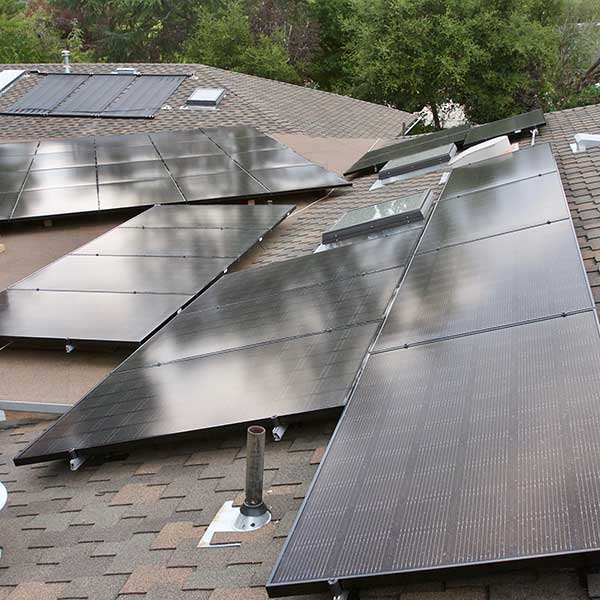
(278, 428)
(335, 587)
(76, 460)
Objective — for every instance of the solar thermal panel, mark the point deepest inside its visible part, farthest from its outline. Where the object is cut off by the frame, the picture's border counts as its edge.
(508, 126)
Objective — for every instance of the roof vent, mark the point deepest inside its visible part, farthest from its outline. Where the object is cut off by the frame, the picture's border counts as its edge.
(66, 61)
(125, 71)
(585, 141)
(484, 151)
(205, 98)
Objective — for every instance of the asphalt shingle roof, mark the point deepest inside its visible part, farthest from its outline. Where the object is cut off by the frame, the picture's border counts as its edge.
(129, 527)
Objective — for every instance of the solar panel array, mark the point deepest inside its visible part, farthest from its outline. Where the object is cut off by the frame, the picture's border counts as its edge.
(508, 126)
(281, 340)
(373, 160)
(413, 153)
(99, 95)
(471, 436)
(120, 287)
(51, 178)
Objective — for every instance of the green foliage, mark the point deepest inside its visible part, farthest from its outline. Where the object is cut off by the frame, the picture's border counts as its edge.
(222, 38)
(488, 55)
(26, 37)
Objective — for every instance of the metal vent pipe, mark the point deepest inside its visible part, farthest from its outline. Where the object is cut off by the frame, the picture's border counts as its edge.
(66, 62)
(255, 465)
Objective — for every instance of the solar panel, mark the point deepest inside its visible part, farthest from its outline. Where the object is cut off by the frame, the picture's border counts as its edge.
(144, 97)
(508, 126)
(122, 286)
(98, 95)
(529, 162)
(132, 171)
(457, 447)
(417, 161)
(60, 178)
(126, 274)
(57, 201)
(7, 203)
(310, 270)
(230, 216)
(460, 452)
(304, 375)
(487, 284)
(47, 94)
(375, 159)
(288, 314)
(496, 210)
(269, 159)
(295, 179)
(380, 216)
(94, 95)
(28, 315)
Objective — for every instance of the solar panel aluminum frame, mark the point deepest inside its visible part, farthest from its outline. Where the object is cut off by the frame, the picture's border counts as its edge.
(418, 161)
(335, 235)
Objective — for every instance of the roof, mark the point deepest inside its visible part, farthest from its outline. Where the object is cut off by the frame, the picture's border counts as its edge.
(128, 528)
(271, 106)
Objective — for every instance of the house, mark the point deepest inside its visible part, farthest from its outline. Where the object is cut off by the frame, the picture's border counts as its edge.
(129, 527)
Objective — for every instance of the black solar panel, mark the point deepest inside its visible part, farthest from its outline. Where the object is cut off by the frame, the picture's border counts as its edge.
(465, 451)
(466, 440)
(296, 312)
(496, 210)
(508, 126)
(512, 278)
(126, 274)
(140, 170)
(531, 161)
(313, 269)
(286, 378)
(27, 315)
(122, 286)
(230, 216)
(375, 159)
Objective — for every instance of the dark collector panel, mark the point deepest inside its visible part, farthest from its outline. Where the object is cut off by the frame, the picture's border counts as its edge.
(312, 269)
(472, 450)
(139, 170)
(496, 210)
(84, 316)
(508, 126)
(532, 161)
(308, 374)
(520, 276)
(296, 312)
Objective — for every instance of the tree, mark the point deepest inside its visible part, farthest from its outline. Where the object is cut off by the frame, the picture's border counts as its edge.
(26, 36)
(329, 68)
(488, 55)
(222, 38)
(127, 30)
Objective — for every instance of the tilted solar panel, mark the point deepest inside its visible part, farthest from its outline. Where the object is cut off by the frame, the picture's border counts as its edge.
(122, 286)
(137, 170)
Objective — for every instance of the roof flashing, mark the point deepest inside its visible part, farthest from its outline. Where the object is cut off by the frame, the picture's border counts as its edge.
(205, 98)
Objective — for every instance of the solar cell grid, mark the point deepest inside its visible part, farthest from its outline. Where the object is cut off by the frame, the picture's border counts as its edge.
(487, 283)
(133, 278)
(437, 462)
(148, 169)
(303, 375)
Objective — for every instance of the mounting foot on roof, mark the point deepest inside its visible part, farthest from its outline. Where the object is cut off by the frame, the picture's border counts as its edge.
(69, 346)
(278, 428)
(335, 587)
(534, 133)
(75, 460)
